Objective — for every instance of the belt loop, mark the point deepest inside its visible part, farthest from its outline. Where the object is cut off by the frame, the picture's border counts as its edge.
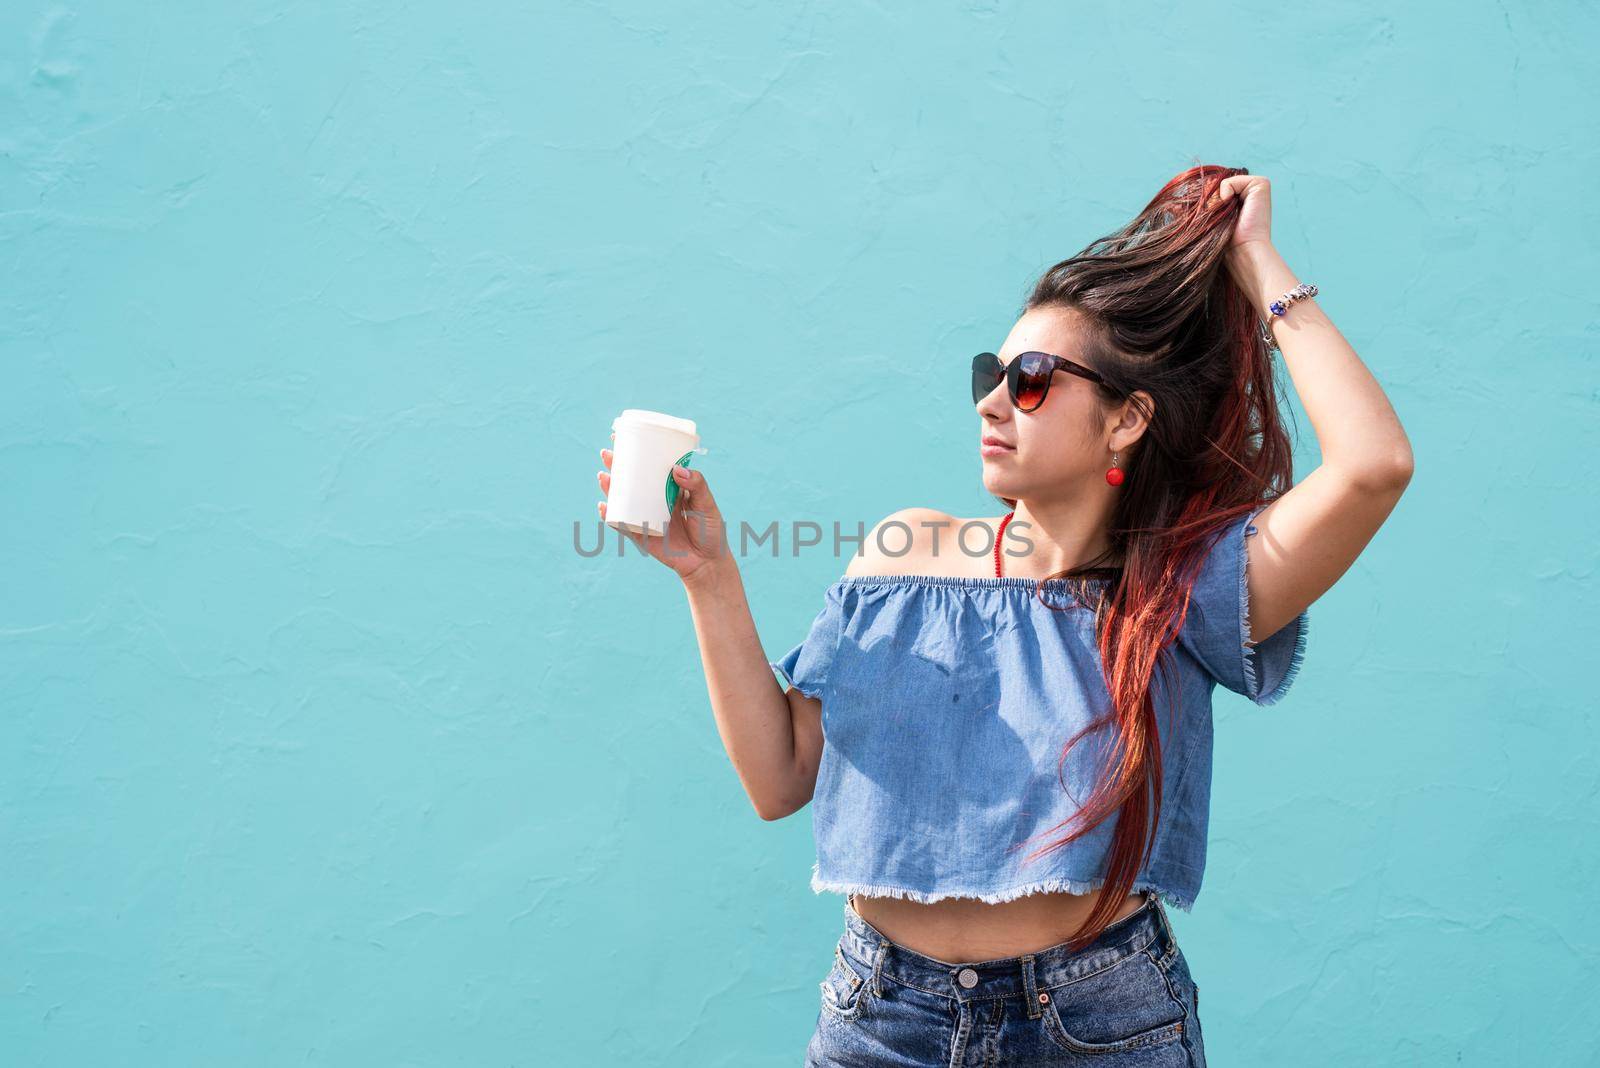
(877, 967)
(1030, 993)
(1166, 927)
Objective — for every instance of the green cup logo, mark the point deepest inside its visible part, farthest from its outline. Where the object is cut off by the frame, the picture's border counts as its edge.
(672, 485)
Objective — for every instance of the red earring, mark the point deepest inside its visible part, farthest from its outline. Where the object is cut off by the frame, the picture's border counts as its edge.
(1115, 475)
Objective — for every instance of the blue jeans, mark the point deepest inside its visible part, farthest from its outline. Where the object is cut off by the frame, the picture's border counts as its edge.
(1126, 1000)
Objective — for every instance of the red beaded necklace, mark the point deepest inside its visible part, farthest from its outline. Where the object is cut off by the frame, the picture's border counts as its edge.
(998, 538)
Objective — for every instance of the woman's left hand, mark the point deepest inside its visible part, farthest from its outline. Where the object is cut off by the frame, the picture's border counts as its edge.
(1254, 225)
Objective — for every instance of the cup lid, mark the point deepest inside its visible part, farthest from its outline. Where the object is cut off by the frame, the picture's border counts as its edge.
(661, 419)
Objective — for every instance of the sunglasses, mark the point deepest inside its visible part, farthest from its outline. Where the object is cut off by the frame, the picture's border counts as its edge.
(1027, 377)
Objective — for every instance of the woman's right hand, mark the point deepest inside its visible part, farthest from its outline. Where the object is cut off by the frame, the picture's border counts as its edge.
(695, 536)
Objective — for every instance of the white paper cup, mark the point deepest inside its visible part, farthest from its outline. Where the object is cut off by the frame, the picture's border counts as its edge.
(647, 446)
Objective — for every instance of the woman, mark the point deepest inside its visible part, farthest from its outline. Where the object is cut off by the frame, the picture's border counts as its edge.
(1003, 724)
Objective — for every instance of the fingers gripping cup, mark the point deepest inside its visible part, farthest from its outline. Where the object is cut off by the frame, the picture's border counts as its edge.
(647, 447)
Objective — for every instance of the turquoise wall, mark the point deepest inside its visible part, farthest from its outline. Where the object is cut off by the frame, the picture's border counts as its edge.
(322, 744)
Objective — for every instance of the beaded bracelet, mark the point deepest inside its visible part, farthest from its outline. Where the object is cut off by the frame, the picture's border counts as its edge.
(1279, 307)
(1299, 292)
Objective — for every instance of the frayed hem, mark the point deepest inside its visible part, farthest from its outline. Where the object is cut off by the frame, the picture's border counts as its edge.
(1301, 623)
(789, 684)
(1252, 687)
(994, 897)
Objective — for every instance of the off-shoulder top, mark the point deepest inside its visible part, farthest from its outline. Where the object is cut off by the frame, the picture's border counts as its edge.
(946, 703)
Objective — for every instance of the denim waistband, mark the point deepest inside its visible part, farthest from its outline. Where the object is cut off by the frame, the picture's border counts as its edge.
(1145, 928)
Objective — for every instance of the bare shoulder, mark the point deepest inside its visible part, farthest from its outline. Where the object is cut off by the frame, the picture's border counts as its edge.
(900, 543)
(926, 541)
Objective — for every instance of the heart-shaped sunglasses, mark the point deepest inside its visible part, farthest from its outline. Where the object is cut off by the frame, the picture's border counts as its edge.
(1027, 376)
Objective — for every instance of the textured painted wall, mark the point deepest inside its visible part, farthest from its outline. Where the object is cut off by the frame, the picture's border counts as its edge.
(322, 745)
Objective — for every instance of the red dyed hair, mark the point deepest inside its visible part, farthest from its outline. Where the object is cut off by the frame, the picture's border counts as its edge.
(1163, 315)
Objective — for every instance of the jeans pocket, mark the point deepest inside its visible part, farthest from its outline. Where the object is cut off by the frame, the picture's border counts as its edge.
(844, 988)
(1127, 1006)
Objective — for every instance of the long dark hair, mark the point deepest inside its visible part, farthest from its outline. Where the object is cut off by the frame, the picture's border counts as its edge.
(1163, 315)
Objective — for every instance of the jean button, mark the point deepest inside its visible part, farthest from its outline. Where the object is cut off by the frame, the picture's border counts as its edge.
(967, 978)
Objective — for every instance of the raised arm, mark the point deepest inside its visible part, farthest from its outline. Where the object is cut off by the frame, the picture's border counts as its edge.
(1310, 536)
(775, 759)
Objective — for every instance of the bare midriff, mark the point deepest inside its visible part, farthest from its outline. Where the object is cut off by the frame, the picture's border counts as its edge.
(965, 930)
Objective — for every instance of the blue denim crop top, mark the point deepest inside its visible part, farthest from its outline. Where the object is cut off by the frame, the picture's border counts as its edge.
(946, 702)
